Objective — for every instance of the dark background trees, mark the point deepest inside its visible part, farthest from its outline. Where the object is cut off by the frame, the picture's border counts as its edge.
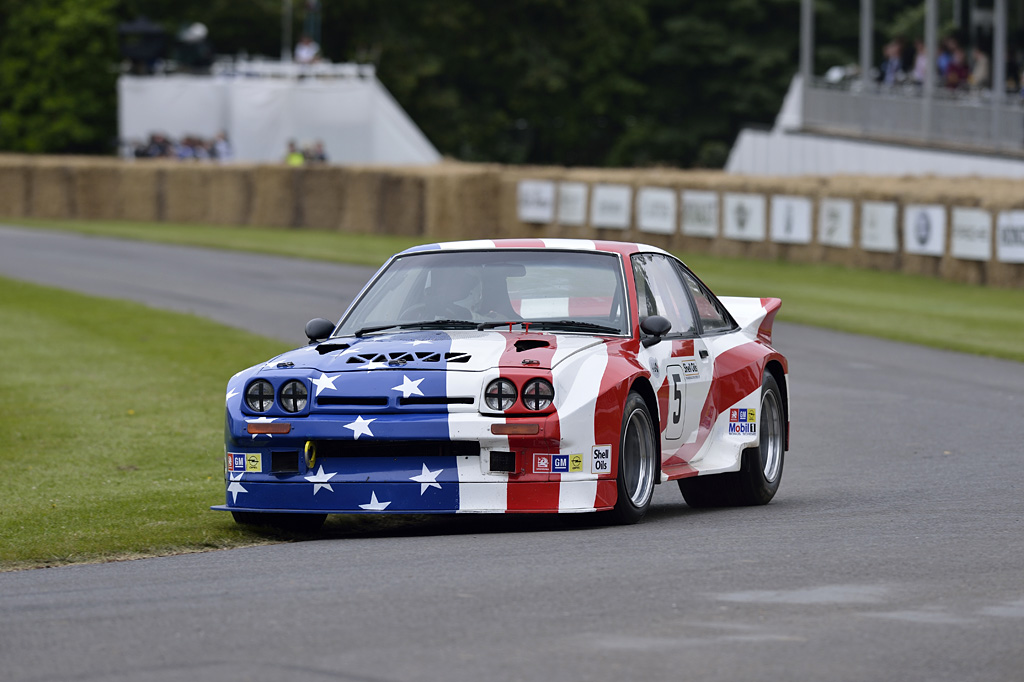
(601, 82)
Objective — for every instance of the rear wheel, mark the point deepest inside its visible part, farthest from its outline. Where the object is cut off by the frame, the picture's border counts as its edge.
(299, 523)
(760, 472)
(638, 466)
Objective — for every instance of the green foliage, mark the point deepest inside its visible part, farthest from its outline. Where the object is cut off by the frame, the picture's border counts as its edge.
(56, 85)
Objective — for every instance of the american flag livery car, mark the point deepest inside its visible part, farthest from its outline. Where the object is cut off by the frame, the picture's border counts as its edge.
(505, 376)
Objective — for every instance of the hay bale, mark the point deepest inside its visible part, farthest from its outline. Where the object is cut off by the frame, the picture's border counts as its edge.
(52, 190)
(97, 190)
(401, 204)
(321, 197)
(187, 193)
(229, 195)
(274, 199)
(14, 189)
(141, 194)
(462, 202)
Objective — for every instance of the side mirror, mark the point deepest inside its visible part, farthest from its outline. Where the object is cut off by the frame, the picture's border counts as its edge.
(655, 326)
(318, 328)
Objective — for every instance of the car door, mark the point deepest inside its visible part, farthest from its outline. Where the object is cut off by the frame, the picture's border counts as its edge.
(673, 360)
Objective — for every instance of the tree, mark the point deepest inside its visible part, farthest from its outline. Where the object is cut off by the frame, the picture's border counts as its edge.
(56, 83)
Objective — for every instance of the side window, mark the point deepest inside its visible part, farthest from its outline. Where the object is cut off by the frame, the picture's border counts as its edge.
(659, 291)
(713, 317)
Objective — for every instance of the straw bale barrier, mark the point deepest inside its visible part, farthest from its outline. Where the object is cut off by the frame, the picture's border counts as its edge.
(912, 224)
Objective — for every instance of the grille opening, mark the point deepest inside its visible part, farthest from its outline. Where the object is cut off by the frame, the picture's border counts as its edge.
(405, 356)
(434, 400)
(397, 448)
(351, 400)
(503, 462)
(457, 357)
(329, 347)
(284, 461)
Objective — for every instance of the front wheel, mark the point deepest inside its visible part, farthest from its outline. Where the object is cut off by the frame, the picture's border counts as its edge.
(638, 465)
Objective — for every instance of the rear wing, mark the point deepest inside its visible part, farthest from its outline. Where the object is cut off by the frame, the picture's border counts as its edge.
(755, 315)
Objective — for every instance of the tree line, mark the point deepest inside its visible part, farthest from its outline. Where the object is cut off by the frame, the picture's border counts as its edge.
(570, 82)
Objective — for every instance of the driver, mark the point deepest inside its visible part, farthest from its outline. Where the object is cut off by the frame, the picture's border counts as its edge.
(450, 294)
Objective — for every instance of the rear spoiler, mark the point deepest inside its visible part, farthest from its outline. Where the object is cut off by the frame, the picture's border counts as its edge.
(755, 315)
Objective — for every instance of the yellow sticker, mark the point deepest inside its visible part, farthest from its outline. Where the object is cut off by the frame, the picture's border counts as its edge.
(751, 415)
(575, 462)
(254, 462)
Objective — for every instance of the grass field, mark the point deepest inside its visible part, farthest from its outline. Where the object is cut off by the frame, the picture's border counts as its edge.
(112, 429)
(890, 305)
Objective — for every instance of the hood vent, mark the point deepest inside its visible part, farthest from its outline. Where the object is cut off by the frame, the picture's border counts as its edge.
(405, 357)
(530, 344)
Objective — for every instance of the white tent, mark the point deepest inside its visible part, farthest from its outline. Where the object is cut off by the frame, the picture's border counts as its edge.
(262, 106)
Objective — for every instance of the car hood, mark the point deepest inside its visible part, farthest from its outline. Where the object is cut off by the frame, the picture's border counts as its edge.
(466, 351)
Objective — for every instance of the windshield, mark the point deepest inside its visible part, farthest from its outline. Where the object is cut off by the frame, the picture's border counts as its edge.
(470, 289)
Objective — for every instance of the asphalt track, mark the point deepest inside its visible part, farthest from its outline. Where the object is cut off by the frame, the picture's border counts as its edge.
(893, 551)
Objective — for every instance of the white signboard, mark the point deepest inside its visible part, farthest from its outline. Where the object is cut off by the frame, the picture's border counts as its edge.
(610, 206)
(744, 217)
(1010, 237)
(656, 210)
(924, 229)
(536, 201)
(971, 234)
(572, 203)
(791, 219)
(700, 213)
(878, 226)
(835, 223)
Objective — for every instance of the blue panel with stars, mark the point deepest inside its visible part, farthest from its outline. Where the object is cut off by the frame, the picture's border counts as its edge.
(355, 485)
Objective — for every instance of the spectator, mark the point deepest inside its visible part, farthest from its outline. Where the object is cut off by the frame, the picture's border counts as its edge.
(294, 157)
(892, 67)
(945, 57)
(920, 62)
(307, 51)
(957, 73)
(981, 75)
(316, 153)
(222, 148)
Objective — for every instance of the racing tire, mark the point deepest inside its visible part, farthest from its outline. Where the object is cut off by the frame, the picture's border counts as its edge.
(760, 472)
(297, 523)
(638, 462)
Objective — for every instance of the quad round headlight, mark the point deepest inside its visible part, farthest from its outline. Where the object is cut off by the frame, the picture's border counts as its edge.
(500, 395)
(294, 396)
(259, 396)
(538, 394)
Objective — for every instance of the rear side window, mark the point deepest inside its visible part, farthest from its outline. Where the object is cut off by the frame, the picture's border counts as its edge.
(713, 317)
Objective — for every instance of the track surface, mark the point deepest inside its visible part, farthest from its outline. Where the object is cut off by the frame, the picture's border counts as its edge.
(894, 550)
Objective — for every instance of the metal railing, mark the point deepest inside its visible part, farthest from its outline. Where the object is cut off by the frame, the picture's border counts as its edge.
(968, 119)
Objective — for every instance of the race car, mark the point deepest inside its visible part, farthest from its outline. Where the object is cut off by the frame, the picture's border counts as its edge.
(514, 376)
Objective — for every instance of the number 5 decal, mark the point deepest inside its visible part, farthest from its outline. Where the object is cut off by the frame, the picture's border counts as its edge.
(676, 402)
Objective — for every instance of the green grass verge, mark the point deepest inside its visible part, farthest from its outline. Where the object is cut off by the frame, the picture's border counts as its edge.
(110, 442)
(908, 308)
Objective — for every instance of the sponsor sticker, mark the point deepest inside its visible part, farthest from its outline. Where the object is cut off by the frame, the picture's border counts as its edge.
(601, 462)
(254, 462)
(690, 368)
(236, 461)
(542, 464)
(742, 421)
(560, 464)
(575, 463)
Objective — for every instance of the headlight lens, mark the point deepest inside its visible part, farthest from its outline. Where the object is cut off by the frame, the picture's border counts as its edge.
(259, 396)
(294, 396)
(500, 395)
(538, 394)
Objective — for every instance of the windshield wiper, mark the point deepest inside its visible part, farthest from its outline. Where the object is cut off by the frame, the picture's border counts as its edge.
(426, 324)
(568, 325)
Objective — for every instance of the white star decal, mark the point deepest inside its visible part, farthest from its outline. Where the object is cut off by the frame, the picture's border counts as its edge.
(360, 427)
(320, 480)
(235, 487)
(324, 382)
(350, 349)
(374, 365)
(419, 342)
(231, 394)
(409, 388)
(373, 504)
(428, 479)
